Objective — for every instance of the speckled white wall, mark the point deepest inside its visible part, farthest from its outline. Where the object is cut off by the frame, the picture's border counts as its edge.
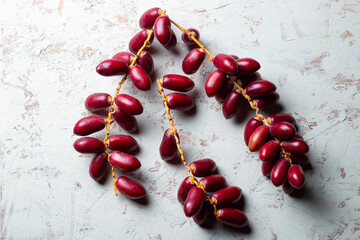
(49, 50)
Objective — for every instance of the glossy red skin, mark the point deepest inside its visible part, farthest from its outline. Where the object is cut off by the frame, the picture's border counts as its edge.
(280, 117)
(250, 127)
(162, 29)
(203, 167)
(234, 56)
(228, 195)
(124, 161)
(266, 101)
(279, 172)
(295, 146)
(213, 183)
(130, 188)
(231, 104)
(193, 61)
(246, 78)
(146, 62)
(184, 189)
(89, 145)
(140, 78)
(125, 56)
(225, 63)
(112, 67)
(267, 166)
(269, 150)
(172, 43)
(194, 202)
(123, 143)
(224, 91)
(168, 149)
(89, 125)
(300, 158)
(97, 101)
(297, 136)
(214, 83)
(258, 138)
(201, 217)
(138, 41)
(260, 88)
(177, 82)
(248, 65)
(287, 188)
(283, 130)
(180, 102)
(129, 104)
(186, 38)
(232, 217)
(296, 176)
(148, 18)
(97, 169)
(125, 121)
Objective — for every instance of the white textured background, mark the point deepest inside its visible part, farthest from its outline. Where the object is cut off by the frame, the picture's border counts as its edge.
(49, 50)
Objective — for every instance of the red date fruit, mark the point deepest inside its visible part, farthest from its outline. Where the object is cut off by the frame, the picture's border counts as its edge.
(266, 101)
(203, 167)
(280, 117)
(129, 104)
(267, 166)
(194, 202)
(139, 78)
(297, 136)
(300, 158)
(214, 82)
(225, 63)
(295, 146)
(168, 149)
(269, 150)
(283, 130)
(172, 43)
(260, 88)
(89, 145)
(162, 29)
(130, 188)
(287, 188)
(112, 67)
(213, 183)
(224, 91)
(232, 217)
(258, 138)
(179, 101)
(125, 121)
(279, 172)
(250, 127)
(186, 38)
(138, 40)
(296, 176)
(184, 189)
(246, 78)
(231, 104)
(89, 125)
(247, 65)
(148, 18)
(201, 217)
(228, 195)
(97, 167)
(177, 83)
(146, 62)
(123, 161)
(125, 56)
(234, 56)
(124, 143)
(97, 101)
(193, 61)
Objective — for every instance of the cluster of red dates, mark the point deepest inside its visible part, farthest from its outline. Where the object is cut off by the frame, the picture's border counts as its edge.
(282, 150)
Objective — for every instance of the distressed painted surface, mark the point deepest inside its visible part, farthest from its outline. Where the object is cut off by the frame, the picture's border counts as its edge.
(49, 50)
